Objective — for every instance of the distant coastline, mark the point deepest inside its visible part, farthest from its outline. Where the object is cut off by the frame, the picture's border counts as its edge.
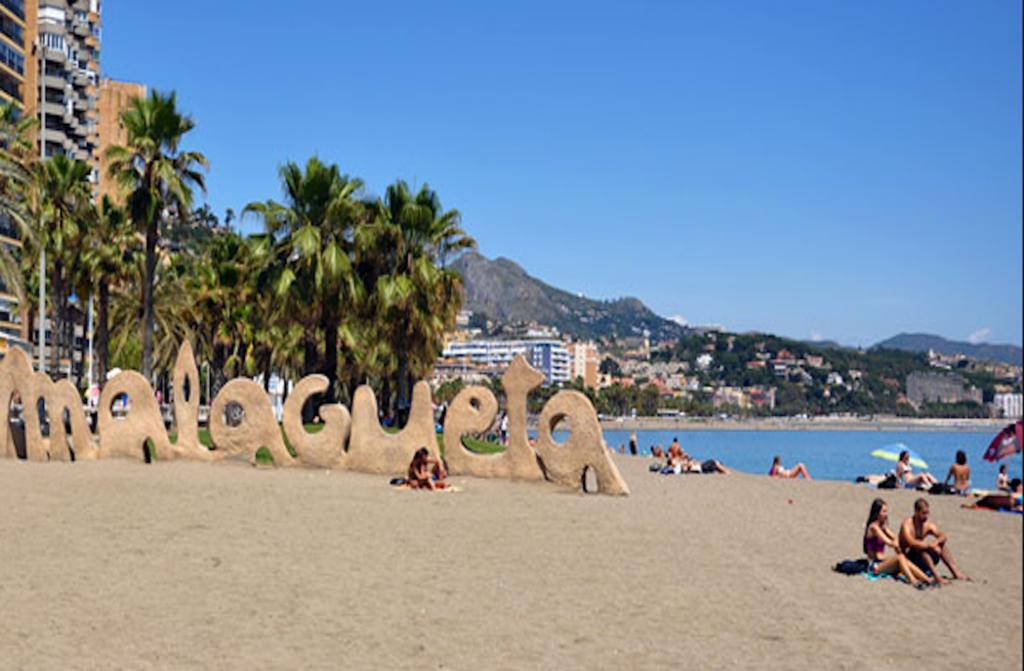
(809, 424)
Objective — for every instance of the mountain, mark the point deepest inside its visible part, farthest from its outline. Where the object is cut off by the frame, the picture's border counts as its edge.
(503, 291)
(922, 342)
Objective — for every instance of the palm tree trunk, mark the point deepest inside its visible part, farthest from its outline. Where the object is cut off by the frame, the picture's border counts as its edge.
(147, 301)
(330, 361)
(56, 332)
(103, 334)
(310, 360)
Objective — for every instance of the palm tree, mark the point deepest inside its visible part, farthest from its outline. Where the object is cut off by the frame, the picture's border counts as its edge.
(157, 176)
(64, 204)
(414, 299)
(311, 234)
(17, 162)
(110, 249)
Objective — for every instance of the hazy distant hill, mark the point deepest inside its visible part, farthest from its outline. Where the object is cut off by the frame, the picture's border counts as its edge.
(922, 342)
(504, 291)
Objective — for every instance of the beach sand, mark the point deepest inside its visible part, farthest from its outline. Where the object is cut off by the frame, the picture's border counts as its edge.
(117, 564)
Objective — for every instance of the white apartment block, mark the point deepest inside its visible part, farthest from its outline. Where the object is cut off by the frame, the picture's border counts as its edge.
(1011, 406)
(548, 356)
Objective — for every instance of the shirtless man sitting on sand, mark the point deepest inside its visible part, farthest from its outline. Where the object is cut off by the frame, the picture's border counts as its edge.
(914, 533)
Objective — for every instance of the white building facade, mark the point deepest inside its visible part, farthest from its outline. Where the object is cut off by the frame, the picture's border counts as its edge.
(549, 356)
(1010, 406)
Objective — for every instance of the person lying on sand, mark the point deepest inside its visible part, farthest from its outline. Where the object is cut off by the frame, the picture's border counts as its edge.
(425, 472)
(910, 480)
(779, 471)
(1012, 500)
(926, 553)
(960, 474)
(876, 537)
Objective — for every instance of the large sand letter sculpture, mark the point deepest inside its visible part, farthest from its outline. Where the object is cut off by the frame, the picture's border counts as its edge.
(186, 401)
(325, 448)
(242, 421)
(374, 450)
(257, 427)
(473, 410)
(567, 464)
(127, 436)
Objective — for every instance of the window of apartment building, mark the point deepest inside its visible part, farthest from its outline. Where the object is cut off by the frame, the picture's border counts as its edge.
(10, 86)
(12, 59)
(52, 41)
(11, 29)
(16, 6)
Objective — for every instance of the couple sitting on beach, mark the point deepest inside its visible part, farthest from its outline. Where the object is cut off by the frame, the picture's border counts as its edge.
(426, 472)
(917, 550)
(680, 462)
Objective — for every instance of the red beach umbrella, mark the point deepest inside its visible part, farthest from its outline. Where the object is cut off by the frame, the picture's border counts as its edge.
(1009, 441)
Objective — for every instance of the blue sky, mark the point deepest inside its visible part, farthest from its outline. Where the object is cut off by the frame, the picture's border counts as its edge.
(814, 169)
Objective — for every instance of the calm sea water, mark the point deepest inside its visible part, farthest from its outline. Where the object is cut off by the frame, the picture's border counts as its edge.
(832, 455)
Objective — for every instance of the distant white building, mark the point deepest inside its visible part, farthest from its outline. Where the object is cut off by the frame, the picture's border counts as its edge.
(704, 361)
(549, 356)
(1010, 406)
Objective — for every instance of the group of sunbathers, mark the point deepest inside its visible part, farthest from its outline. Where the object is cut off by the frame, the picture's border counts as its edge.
(916, 551)
(677, 461)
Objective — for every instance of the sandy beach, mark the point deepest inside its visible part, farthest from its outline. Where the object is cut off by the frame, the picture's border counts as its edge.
(116, 564)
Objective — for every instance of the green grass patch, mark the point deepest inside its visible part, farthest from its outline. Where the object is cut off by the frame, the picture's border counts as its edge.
(263, 457)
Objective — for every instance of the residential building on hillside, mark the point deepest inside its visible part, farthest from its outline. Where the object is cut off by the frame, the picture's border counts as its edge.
(19, 83)
(585, 363)
(1008, 406)
(939, 388)
(115, 97)
(546, 355)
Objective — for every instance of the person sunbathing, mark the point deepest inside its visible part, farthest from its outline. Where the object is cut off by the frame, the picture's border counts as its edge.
(1011, 500)
(426, 472)
(657, 452)
(960, 473)
(779, 471)
(910, 480)
(877, 537)
(678, 460)
(914, 542)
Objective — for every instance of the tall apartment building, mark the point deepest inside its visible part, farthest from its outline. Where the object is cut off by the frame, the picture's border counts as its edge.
(115, 98)
(67, 51)
(69, 39)
(18, 86)
(585, 363)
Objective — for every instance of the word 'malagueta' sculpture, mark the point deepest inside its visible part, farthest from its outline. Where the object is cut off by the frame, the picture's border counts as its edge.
(347, 441)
